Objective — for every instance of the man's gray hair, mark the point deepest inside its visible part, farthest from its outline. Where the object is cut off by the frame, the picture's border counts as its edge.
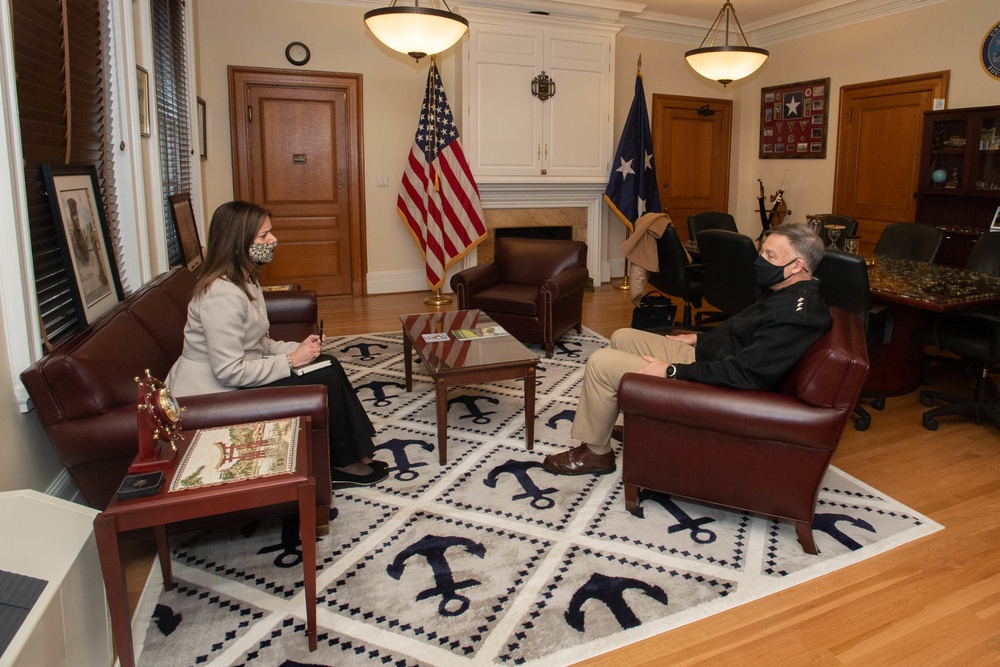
(804, 241)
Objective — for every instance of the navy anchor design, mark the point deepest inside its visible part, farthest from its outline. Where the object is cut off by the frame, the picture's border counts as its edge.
(474, 413)
(684, 522)
(610, 591)
(563, 415)
(564, 349)
(364, 350)
(290, 553)
(379, 398)
(166, 619)
(404, 467)
(519, 469)
(433, 548)
(828, 524)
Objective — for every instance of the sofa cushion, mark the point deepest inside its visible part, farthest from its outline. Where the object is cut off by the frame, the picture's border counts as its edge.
(508, 298)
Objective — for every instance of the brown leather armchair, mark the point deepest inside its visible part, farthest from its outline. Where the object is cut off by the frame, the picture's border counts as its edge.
(85, 395)
(533, 288)
(757, 451)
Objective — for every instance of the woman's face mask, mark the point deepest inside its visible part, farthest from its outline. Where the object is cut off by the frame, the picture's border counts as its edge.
(262, 253)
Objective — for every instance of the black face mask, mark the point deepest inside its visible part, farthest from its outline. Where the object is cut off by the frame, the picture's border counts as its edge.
(769, 274)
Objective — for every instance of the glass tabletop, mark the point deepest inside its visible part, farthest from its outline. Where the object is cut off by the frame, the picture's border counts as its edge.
(934, 286)
(452, 353)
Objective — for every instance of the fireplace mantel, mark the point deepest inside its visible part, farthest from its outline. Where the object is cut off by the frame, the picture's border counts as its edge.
(554, 195)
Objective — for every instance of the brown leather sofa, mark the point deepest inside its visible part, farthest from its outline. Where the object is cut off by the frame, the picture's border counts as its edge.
(533, 288)
(751, 450)
(85, 394)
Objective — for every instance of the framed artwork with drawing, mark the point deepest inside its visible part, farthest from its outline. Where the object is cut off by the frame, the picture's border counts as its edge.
(794, 120)
(84, 238)
(187, 230)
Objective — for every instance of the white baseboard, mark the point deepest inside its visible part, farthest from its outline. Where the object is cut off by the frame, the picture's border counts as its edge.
(65, 488)
(390, 282)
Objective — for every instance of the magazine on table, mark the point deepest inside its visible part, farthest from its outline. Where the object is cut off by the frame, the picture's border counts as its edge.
(491, 331)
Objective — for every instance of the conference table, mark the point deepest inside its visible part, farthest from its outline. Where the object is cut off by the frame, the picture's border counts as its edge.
(915, 290)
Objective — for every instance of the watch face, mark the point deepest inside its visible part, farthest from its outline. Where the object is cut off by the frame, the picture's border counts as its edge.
(297, 53)
(168, 404)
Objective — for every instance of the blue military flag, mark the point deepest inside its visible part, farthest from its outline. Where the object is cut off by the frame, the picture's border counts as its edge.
(632, 188)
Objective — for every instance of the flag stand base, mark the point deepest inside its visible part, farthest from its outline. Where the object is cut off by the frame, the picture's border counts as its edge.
(437, 299)
(624, 284)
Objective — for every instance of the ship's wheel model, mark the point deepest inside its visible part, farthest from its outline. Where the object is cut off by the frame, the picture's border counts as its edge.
(159, 417)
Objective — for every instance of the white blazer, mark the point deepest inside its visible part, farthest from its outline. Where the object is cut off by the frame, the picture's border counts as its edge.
(226, 346)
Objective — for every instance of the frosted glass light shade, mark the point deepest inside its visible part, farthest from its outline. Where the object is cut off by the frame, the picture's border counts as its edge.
(726, 64)
(416, 31)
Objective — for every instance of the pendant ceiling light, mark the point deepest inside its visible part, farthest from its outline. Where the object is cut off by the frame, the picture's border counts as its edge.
(416, 31)
(725, 63)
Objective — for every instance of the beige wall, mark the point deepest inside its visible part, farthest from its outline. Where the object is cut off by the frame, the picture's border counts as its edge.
(232, 32)
(940, 37)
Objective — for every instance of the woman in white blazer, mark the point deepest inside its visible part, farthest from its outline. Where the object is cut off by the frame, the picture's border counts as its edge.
(227, 346)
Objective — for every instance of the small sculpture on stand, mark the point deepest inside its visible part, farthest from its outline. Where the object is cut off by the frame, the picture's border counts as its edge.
(159, 422)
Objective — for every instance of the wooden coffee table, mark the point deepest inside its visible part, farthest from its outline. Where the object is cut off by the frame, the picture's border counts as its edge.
(165, 507)
(456, 362)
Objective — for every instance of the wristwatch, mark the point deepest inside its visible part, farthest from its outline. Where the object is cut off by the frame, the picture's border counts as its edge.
(671, 371)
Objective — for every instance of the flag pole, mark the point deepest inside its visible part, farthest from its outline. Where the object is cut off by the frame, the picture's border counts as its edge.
(437, 299)
(624, 284)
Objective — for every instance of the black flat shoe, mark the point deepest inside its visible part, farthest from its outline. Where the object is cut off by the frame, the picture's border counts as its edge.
(345, 480)
(378, 465)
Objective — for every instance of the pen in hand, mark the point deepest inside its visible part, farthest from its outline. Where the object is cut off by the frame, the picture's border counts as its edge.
(321, 332)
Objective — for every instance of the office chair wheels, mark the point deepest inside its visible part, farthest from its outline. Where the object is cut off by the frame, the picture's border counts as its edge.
(862, 423)
(930, 423)
(926, 401)
(879, 403)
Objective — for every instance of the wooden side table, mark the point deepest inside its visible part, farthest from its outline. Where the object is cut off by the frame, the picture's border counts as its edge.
(164, 508)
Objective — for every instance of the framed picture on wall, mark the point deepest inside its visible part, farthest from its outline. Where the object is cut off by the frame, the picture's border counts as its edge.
(202, 134)
(84, 238)
(187, 230)
(794, 119)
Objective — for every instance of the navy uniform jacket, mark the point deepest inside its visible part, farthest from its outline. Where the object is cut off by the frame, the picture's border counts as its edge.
(757, 347)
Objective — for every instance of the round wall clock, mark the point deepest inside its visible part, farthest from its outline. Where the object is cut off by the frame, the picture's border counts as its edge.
(297, 53)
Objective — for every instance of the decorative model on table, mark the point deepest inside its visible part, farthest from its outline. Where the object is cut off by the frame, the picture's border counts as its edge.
(159, 422)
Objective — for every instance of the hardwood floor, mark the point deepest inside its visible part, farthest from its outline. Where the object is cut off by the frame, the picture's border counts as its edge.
(935, 601)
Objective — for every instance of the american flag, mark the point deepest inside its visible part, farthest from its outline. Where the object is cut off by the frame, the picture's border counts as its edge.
(438, 198)
(632, 188)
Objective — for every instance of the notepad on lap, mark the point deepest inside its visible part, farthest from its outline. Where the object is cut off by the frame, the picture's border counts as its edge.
(309, 368)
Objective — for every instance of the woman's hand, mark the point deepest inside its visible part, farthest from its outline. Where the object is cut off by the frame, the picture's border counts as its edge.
(306, 352)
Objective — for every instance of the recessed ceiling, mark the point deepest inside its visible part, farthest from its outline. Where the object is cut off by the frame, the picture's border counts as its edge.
(748, 11)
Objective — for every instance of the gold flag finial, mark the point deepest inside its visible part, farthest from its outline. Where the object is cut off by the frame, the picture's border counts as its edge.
(638, 65)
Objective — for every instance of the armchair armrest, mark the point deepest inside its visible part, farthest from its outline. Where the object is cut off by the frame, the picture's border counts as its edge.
(755, 415)
(566, 282)
(478, 277)
(291, 307)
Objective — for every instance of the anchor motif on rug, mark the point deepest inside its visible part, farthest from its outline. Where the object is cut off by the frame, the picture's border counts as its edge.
(684, 520)
(519, 469)
(404, 467)
(379, 398)
(364, 350)
(472, 406)
(610, 591)
(433, 548)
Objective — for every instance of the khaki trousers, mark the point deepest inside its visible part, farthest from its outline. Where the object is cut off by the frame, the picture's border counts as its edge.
(598, 409)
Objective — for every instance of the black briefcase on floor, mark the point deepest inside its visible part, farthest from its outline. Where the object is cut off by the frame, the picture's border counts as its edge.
(655, 311)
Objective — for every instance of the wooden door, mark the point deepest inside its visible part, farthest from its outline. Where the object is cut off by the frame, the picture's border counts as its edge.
(878, 150)
(691, 142)
(296, 152)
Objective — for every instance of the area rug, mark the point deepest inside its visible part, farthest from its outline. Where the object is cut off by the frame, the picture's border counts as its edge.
(488, 559)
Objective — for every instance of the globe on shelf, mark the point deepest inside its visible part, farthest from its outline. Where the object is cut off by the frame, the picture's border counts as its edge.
(939, 176)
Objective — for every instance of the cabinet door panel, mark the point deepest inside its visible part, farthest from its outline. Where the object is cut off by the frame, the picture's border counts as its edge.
(574, 124)
(509, 138)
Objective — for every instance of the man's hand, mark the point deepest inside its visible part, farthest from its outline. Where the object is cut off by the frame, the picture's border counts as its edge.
(687, 338)
(654, 366)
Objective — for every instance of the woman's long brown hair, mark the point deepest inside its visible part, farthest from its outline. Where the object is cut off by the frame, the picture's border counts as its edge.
(233, 230)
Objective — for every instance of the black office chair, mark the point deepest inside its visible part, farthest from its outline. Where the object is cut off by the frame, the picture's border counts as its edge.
(843, 282)
(910, 240)
(677, 275)
(729, 282)
(709, 220)
(849, 224)
(975, 337)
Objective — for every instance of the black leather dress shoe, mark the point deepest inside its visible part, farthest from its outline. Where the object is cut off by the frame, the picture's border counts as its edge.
(580, 461)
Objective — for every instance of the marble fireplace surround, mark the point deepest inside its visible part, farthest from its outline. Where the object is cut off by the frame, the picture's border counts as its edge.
(580, 206)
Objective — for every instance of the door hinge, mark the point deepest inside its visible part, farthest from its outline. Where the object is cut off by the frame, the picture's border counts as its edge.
(249, 114)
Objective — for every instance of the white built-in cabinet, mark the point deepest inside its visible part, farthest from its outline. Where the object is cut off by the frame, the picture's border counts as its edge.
(511, 135)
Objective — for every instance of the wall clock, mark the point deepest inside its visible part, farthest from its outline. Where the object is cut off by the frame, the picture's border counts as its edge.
(297, 53)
